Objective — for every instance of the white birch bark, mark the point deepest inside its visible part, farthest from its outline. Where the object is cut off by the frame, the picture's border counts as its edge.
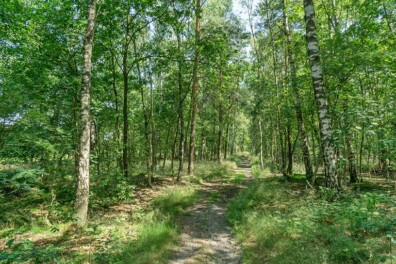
(320, 96)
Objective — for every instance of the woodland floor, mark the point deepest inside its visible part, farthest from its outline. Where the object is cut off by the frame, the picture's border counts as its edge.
(201, 229)
(189, 223)
(205, 235)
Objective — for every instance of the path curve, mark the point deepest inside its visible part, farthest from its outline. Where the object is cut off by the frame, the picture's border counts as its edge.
(205, 235)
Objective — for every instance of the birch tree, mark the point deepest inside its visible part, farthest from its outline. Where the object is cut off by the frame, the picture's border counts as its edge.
(322, 104)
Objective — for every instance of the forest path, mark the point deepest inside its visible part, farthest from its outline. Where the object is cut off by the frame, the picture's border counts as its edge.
(205, 235)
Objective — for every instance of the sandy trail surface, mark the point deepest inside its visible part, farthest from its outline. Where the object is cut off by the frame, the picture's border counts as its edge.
(205, 234)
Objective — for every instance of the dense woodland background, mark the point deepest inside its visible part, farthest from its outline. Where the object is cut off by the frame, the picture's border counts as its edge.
(178, 87)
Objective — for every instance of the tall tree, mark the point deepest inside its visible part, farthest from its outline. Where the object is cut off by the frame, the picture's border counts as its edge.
(321, 100)
(82, 197)
(289, 60)
(195, 87)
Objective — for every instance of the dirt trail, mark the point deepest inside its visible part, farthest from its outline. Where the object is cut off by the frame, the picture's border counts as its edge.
(205, 235)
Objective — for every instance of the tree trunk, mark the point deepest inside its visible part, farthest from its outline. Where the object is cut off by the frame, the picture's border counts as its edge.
(351, 158)
(226, 141)
(125, 103)
(82, 196)
(233, 137)
(220, 134)
(290, 148)
(181, 112)
(174, 148)
(147, 132)
(195, 87)
(261, 145)
(348, 142)
(320, 96)
(297, 99)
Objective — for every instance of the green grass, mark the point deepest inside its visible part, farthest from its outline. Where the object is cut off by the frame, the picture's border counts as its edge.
(280, 221)
(152, 245)
(175, 199)
(213, 171)
(237, 178)
(155, 230)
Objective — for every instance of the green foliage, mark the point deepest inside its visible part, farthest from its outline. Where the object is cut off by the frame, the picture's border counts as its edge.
(25, 250)
(237, 159)
(20, 180)
(110, 191)
(277, 221)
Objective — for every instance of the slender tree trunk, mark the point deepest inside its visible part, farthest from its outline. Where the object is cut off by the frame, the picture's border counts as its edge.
(221, 117)
(350, 150)
(125, 103)
(297, 99)
(213, 149)
(282, 151)
(186, 145)
(82, 196)
(351, 158)
(195, 87)
(166, 146)
(261, 145)
(289, 151)
(114, 85)
(153, 138)
(226, 140)
(181, 112)
(320, 96)
(174, 148)
(148, 149)
(233, 137)
(125, 123)
(220, 134)
(76, 143)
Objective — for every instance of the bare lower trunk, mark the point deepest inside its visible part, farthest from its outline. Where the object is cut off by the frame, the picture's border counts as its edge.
(174, 148)
(261, 145)
(289, 151)
(233, 138)
(220, 134)
(181, 114)
(226, 141)
(351, 159)
(325, 123)
(349, 146)
(195, 87)
(82, 196)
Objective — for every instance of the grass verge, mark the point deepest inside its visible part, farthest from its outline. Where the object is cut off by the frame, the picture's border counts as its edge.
(156, 232)
(279, 221)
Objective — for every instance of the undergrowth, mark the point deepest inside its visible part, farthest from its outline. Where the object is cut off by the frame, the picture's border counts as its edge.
(153, 230)
(37, 223)
(279, 221)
